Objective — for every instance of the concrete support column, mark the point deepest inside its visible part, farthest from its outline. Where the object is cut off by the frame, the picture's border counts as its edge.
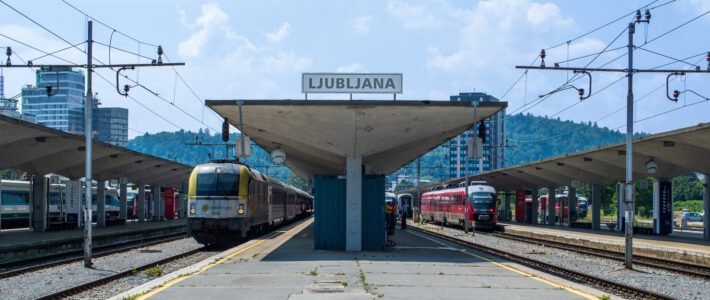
(123, 200)
(706, 205)
(100, 203)
(39, 203)
(506, 206)
(353, 204)
(551, 201)
(596, 206)
(139, 203)
(533, 206)
(571, 205)
(182, 203)
(621, 206)
(157, 196)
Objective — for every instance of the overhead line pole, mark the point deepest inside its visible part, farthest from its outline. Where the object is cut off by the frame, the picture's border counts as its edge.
(88, 119)
(88, 122)
(629, 187)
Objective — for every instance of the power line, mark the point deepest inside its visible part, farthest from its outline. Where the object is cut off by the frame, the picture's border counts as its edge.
(106, 25)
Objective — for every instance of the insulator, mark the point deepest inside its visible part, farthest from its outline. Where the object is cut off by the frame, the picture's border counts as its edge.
(638, 15)
(647, 15)
(676, 93)
(8, 51)
(160, 54)
(126, 88)
(542, 57)
(581, 92)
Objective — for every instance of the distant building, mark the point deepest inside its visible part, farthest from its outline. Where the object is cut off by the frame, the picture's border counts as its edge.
(8, 107)
(63, 109)
(493, 150)
(113, 126)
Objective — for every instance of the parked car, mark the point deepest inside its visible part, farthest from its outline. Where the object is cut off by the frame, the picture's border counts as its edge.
(692, 217)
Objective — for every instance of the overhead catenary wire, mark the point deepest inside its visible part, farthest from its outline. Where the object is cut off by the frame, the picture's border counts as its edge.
(81, 50)
(106, 25)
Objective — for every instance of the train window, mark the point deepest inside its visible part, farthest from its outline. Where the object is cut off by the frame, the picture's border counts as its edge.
(15, 198)
(217, 184)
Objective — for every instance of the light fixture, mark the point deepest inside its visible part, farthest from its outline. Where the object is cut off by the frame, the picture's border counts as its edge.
(651, 167)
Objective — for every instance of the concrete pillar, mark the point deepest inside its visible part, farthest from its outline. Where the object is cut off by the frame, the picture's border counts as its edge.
(506, 208)
(706, 205)
(182, 204)
(353, 204)
(571, 205)
(39, 203)
(100, 203)
(551, 200)
(596, 206)
(140, 203)
(533, 206)
(157, 195)
(621, 206)
(123, 199)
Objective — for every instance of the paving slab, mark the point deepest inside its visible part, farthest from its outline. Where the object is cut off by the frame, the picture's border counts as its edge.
(285, 266)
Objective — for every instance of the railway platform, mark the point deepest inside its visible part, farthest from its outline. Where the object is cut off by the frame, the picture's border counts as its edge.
(23, 244)
(677, 248)
(284, 265)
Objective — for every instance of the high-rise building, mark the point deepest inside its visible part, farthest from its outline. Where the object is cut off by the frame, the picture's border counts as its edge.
(113, 125)
(493, 146)
(61, 106)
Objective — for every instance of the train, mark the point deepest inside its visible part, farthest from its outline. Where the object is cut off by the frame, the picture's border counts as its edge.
(15, 204)
(582, 206)
(447, 206)
(227, 201)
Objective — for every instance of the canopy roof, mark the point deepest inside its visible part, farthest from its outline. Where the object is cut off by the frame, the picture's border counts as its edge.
(677, 152)
(41, 150)
(317, 135)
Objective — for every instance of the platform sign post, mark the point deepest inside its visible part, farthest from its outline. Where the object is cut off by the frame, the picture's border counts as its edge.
(72, 203)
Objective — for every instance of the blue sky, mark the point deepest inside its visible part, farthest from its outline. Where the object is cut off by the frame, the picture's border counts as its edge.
(258, 49)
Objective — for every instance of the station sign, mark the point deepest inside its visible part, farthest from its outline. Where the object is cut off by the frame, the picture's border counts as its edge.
(73, 197)
(352, 83)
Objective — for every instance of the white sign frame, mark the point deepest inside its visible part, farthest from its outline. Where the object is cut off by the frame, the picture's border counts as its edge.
(397, 78)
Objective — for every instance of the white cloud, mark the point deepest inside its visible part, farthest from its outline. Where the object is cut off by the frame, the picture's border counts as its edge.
(541, 16)
(412, 16)
(361, 25)
(492, 32)
(700, 6)
(284, 62)
(352, 68)
(280, 34)
(211, 21)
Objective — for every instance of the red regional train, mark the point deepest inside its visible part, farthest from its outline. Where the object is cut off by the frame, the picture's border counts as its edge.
(447, 206)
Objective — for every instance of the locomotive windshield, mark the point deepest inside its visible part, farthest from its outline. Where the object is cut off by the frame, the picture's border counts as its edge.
(482, 200)
(221, 184)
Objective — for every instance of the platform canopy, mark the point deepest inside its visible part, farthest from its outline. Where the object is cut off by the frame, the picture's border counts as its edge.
(39, 149)
(675, 153)
(318, 135)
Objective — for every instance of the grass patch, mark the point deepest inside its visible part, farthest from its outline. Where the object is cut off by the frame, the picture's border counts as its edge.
(340, 273)
(363, 279)
(344, 283)
(313, 272)
(605, 297)
(156, 271)
(132, 297)
(441, 273)
(486, 286)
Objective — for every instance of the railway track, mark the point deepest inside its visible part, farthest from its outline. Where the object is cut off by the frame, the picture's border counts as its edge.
(663, 264)
(616, 288)
(77, 255)
(101, 281)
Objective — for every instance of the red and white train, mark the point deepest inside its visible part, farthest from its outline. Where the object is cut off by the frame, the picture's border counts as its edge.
(448, 206)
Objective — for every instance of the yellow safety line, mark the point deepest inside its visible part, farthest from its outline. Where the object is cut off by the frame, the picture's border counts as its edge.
(174, 281)
(510, 268)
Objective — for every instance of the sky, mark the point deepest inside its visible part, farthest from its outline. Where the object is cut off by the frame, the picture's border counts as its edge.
(258, 50)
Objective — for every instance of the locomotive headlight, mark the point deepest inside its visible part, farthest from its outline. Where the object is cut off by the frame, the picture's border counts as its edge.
(192, 209)
(241, 209)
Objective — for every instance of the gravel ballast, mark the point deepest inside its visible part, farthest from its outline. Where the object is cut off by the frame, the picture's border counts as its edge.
(651, 279)
(46, 281)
